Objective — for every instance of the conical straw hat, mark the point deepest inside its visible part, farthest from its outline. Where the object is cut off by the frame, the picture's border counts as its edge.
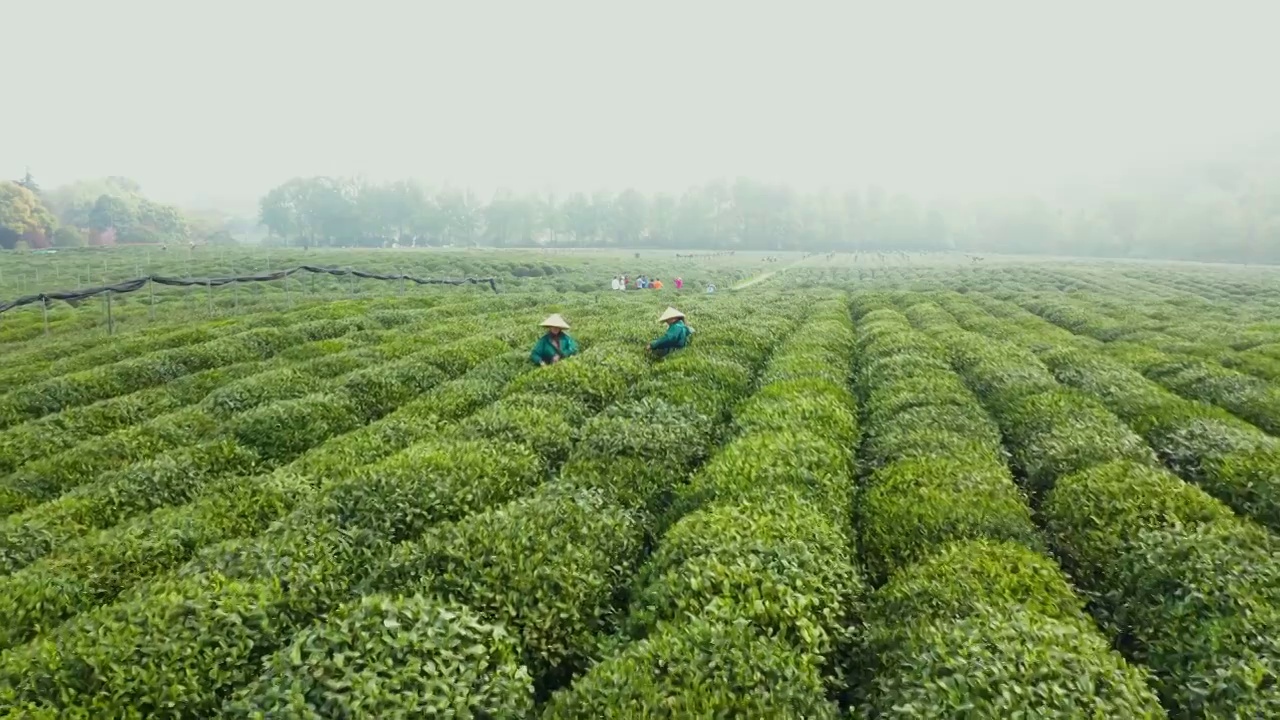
(555, 321)
(670, 314)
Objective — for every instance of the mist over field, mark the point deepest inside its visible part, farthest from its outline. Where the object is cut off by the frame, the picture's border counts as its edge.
(1138, 129)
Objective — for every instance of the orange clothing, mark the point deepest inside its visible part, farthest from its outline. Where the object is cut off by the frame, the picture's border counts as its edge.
(657, 284)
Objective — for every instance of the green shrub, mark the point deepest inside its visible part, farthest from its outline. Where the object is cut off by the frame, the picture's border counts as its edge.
(1006, 662)
(778, 564)
(1001, 381)
(792, 389)
(461, 396)
(183, 642)
(548, 434)
(166, 480)
(460, 356)
(686, 394)
(261, 389)
(650, 429)
(1247, 480)
(814, 364)
(817, 406)
(284, 429)
(1057, 433)
(1094, 511)
(1124, 390)
(392, 657)
(49, 477)
(1251, 398)
(936, 388)
(1193, 588)
(52, 433)
(699, 669)
(760, 465)
(547, 566)
(645, 486)
(1229, 458)
(341, 457)
(914, 506)
(378, 390)
(965, 577)
(595, 378)
(716, 376)
(191, 389)
(435, 481)
(1202, 609)
(96, 568)
(939, 432)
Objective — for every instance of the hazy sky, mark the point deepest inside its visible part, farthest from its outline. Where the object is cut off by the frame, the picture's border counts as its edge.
(218, 101)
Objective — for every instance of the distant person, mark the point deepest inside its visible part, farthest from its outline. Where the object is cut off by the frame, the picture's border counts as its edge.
(679, 283)
(677, 333)
(624, 283)
(657, 285)
(711, 287)
(614, 285)
(556, 344)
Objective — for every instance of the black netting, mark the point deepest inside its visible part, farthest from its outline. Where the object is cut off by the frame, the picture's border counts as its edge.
(128, 286)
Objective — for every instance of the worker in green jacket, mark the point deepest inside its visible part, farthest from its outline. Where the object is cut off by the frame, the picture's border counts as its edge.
(677, 336)
(556, 344)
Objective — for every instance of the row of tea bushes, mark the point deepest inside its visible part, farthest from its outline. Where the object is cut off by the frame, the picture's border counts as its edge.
(1189, 588)
(754, 577)
(965, 581)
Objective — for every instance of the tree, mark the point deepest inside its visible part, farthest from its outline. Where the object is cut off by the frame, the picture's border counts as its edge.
(629, 214)
(29, 183)
(461, 216)
(69, 237)
(162, 223)
(279, 211)
(580, 218)
(23, 217)
(73, 202)
(111, 216)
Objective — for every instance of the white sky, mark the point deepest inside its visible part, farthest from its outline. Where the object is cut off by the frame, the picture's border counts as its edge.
(218, 101)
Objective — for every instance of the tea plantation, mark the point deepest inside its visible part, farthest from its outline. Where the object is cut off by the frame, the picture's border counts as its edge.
(872, 486)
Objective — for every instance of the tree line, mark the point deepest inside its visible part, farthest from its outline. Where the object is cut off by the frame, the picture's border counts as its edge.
(1221, 212)
(106, 211)
(1224, 210)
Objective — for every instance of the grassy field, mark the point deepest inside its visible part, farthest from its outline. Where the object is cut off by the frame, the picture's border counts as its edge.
(872, 486)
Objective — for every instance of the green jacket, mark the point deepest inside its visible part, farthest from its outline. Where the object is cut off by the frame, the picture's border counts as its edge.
(677, 337)
(544, 351)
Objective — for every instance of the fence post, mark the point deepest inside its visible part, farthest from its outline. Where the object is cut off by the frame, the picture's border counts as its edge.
(235, 289)
(351, 273)
(401, 281)
(209, 285)
(287, 297)
(151, 290)
(111, 321)
(44, 303)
